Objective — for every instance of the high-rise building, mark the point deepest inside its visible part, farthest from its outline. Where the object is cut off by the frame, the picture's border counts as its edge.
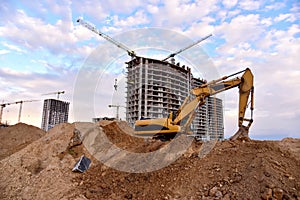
(208, 123)
(54, 112)
(155, 88)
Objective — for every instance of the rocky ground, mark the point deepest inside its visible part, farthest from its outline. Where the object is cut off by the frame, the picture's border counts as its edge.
(41, 167)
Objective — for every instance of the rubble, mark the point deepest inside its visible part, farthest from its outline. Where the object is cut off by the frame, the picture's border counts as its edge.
(224, 170)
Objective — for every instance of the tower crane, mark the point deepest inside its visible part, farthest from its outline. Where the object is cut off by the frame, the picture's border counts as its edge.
(116, 106)
(130, 52)
(20, 109)
(116, 84)
(93, 28)
(3, 105)
(58, 93)
(183, 49)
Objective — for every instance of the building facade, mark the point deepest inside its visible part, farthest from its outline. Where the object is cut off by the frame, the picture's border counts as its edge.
(155, 88)
(54, 112)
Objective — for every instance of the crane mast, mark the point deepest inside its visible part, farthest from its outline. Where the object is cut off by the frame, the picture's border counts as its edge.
(3, 105)
(108, 38)
(116, 106)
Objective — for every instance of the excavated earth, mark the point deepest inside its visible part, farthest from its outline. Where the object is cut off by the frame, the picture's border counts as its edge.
(13, 139)
(38, 165)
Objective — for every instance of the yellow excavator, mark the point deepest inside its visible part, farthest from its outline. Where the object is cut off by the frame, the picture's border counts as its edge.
(179, 122)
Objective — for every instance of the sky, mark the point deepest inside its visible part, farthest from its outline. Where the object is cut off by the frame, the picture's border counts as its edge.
(44, 50)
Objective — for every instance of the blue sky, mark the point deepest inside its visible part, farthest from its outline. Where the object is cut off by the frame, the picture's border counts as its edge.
(42, 50)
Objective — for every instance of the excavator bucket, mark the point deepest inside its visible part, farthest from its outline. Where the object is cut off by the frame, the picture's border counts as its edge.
(241, 134)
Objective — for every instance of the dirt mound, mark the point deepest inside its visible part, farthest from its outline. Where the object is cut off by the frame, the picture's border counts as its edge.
(291, 144)
(232, 170)
(16, 137)
(41, 170)
(211, 170)
(120, 134)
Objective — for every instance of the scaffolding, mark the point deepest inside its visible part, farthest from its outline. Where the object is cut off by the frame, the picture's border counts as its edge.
(54, 112)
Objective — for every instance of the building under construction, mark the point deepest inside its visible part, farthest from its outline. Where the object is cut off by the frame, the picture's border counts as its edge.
(54, 112)
(155, 88)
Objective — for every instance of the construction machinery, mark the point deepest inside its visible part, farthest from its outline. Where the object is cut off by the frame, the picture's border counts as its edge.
(93, 28)
(57, 93)
(118, 107)
(187, 47)
(130, 52)
(3, 105)
(180, 121)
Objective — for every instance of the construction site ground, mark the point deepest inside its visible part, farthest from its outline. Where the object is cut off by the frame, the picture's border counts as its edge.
(38, 165)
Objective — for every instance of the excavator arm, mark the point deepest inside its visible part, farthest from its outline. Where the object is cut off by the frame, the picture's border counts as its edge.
(181, 121)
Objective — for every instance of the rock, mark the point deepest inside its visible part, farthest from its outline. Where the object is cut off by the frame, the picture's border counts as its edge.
(278, 193)
(76, 139)
(207, 198)
(267, 174)
(270, 185)
(267, 194)
(213, 191)
(286, 197)
(219, 194)
(128, 196)
(88, 194)
(226, 197)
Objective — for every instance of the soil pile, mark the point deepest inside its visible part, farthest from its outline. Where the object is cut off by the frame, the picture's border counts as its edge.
(210, 170)
(232, 170)
(41, 170)
(16, 137)
(120, 134)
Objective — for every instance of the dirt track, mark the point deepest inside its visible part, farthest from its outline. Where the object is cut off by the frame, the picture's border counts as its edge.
(232, 170)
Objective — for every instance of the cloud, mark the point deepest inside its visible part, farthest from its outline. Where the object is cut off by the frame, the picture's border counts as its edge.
(58, 38)
(139, 18)
(152, 9)
(249, 4)
(95, 9)
(172, 14)
(229, 3)
(4, 51)
(240, 28)
(275, 6)
(13, 47)
(198, 30)
(285, 17)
